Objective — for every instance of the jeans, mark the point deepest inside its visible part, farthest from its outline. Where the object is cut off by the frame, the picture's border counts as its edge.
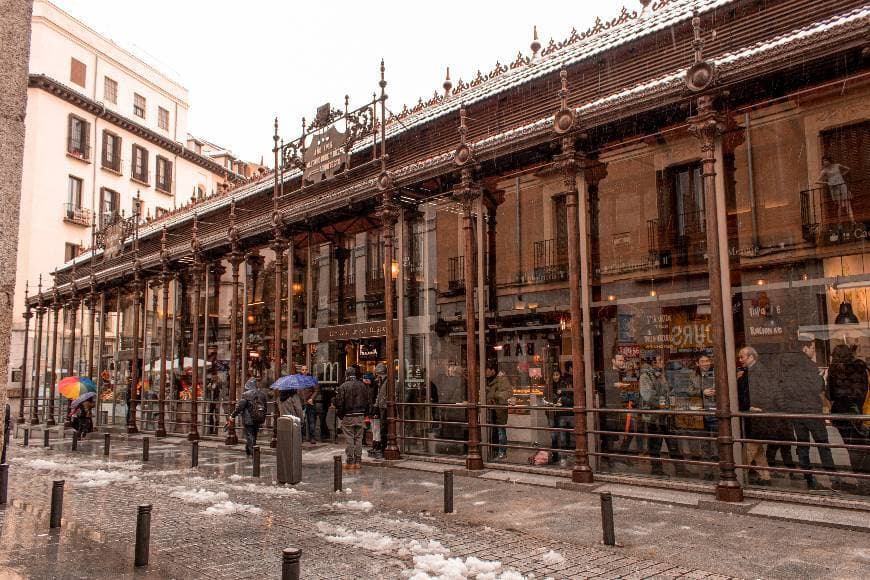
(562, 440)
(251, 437)
(310, 422)
(353, 427)
(654, 444)
(815, 427)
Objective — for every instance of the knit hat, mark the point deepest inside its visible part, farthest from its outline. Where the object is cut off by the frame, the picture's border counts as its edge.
(349, 372)
(381, 369)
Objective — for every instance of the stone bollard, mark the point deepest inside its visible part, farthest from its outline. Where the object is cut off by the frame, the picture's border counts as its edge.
(75, 441)
(4, 482)
(107, 442)
(146, 443)
(26, 437)
(194, 453)
(256, 457)
(45, 437)
(609, 535)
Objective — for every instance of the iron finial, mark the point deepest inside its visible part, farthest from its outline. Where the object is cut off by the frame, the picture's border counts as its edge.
(383, 82)
(536, 45)
(702, 73)
(26, 290)
(697, 42)
(447, 84)
(275, 135)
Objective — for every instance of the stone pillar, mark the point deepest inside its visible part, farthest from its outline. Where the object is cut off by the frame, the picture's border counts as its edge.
(706, 126)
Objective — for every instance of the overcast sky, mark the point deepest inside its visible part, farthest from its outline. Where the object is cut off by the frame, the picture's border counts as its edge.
(246, 62)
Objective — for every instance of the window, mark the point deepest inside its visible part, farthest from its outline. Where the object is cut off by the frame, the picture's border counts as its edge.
(138, 105)
(108, 206)
(140, 164)
(163, 179)
(77, 71)
(162, 118)
(159, 212)
(74, 193)
(110, 90)
(70, 251)
(111, 151)
(680, 230)
(77, 138)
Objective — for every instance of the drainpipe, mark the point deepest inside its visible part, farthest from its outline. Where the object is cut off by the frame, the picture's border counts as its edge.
(753, 210)
(519, 231)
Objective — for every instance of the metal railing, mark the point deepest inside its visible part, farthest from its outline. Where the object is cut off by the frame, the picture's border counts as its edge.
(456, 273)
(78, 148)
(828, 207)
(75, 214)
(551, 260)
(677, 239)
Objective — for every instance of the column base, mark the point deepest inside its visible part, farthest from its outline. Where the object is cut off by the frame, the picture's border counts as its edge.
(392, 453)
(232, 438)
(582, 474)
(729, 491)
(193, 436)
(161, 432)
(50, 422)
(474, 463)
(132, 429)
(34, 421)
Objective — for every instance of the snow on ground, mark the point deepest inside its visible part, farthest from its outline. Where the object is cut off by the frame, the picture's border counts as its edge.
(226, 508)
(353, 505)
(102, 478)
(416, 526)
(236, 477)
(201, 496)
(552, 558)
(372, 541)
(428, 547)
(432, 566)
(276, 491)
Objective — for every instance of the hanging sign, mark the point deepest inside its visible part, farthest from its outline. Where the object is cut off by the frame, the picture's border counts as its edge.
(325, 156)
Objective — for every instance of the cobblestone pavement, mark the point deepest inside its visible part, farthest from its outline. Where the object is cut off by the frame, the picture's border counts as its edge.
(216, 521)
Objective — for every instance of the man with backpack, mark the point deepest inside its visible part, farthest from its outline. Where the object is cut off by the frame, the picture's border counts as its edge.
(352, 402)
(253, 409)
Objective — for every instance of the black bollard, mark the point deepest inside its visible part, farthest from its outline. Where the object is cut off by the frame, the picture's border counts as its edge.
(4, 482)
(143, 535)
(107, 442)
(607, 519)
(336, 473)
(26, 437)
(256, 456)
(194, 453)
(45, 435)
(146, 443)
(290, 564)
(56, 504)
(448, 491)
(75, 441)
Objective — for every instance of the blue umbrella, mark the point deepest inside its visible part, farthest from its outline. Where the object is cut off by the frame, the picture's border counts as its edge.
(294, 382)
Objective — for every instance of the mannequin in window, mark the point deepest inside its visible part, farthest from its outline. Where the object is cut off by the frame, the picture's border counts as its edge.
(832, 176)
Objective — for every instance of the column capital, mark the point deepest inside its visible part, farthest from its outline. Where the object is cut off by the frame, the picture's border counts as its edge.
(707, 125)
(388, 211)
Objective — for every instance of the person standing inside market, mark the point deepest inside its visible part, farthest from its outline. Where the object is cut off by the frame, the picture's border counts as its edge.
(498, 391)
(308, 397)
(656, 393)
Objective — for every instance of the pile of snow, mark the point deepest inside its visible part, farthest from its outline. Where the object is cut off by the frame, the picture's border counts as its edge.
(199, 496)
(416, 526)
(432, 566)
(372, 541)
(236, 477)
(102, 478)
(552, 558)
(226, 508)
(276, 491)
(353, 505)
(430, 547)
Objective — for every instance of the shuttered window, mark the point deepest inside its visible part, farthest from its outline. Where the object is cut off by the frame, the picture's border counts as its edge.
(77, 72)
(139, 167)
(111, 151)
(163, 177)
(77, 137)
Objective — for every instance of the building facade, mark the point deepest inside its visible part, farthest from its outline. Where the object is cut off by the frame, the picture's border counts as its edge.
(106, 137)
(638, 252)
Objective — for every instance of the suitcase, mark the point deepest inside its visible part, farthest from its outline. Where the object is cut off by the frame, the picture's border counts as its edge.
(289, 452)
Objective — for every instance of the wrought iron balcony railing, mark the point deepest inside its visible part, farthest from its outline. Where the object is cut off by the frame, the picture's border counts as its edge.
(551, 260)
(824, 210)
(678, 239)
(80, 216)
(456, 273)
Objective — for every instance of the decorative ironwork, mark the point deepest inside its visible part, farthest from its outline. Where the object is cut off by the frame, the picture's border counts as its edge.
(702, 74)
(112, 237)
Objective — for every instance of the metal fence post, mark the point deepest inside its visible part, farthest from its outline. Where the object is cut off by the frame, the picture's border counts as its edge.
(607, 519)
(4, 482)
(56, 504)
(26, 437)
(448, 491)
(45, 436)
(143, 535)
(290, 564)
(107, 442)
(336, 473)
(194, 453)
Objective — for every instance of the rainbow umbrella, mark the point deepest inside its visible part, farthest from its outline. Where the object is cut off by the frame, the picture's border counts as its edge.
(75, 387)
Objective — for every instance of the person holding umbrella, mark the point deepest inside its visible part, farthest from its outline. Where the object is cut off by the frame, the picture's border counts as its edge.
(81, 414)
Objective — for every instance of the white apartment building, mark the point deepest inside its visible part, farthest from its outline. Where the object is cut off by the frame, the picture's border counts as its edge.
(106, 135)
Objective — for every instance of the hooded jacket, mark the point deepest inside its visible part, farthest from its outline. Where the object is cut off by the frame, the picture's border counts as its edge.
(246, 403)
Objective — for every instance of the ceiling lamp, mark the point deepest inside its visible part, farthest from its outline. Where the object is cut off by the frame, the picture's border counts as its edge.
(846, 315)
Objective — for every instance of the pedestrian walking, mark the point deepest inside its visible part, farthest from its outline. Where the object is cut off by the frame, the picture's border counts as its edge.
(253, 409)
(379, 410)
(352, 402)
(81, 416)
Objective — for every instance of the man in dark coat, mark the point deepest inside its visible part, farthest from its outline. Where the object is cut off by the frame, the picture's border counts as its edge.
(750, 379)
(352, 403)
(252, 399)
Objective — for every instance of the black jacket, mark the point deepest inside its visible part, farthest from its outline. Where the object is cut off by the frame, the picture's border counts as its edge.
(352, 398)
(246, 405)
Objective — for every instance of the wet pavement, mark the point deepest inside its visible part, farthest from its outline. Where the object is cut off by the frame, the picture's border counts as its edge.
(216, 521)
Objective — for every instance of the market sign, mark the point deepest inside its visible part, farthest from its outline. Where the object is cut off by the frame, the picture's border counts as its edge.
(354, 331)
(325, 156)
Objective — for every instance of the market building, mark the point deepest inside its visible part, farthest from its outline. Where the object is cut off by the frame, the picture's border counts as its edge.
(668, 209)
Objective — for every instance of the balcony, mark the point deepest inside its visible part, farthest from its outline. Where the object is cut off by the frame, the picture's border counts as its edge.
(825, 221)
(551, 260)
(456, 274)
(79, 216)
(680, 239)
